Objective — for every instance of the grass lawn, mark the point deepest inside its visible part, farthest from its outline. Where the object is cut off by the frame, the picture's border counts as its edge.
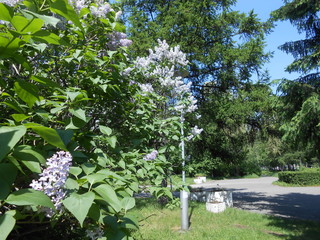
(233, 224)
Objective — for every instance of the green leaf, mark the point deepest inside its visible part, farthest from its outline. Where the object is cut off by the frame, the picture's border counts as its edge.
(79, 205)
(128, 203)
(79, 113)
(105, 130)
(8, 174)
(75, 171)
(129, 222)
(62, 8)
(8, 44)
(109, 195)
(66, 135)
(112, 141)
(73, 95)
(23, 25)
(45, 81)
(9, 137)
(46, 19)
(7, 223)
(27, 92)
(19, 117)
(74, 123)
(94, 178)
(29, 157)
(6, 12)
(48, 134)
(25, 152)
(122, 164)
(47, 37)
(4, 190)
(88, 167)
(29, 196)
(13, 105)
(71, 184)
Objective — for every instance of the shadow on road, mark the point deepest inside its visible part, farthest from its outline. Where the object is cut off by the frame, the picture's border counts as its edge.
(291, 205)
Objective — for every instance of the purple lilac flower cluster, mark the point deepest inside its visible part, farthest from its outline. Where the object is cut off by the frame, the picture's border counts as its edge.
(118, 39)
(151, 156)
(53, 178)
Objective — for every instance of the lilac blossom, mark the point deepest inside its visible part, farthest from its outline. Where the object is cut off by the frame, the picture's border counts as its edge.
(118, 39)
(78, 4)
(151, 156)
(118, 15)
(100, 9)
(146, 87)
(162, 65)
(53, 178)
(195, 132)
(162, 69)
(11, 3)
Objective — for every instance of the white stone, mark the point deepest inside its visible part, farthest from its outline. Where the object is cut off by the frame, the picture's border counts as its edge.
(216, 207)
(200, 180)
(197, 181)
(212, 196)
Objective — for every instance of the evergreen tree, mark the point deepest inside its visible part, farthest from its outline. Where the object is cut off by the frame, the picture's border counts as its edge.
(301, 97)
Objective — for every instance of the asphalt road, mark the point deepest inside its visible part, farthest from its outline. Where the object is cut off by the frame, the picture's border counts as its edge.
(259, 195)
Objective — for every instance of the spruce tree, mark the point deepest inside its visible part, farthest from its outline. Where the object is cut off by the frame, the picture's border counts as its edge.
(301, 96)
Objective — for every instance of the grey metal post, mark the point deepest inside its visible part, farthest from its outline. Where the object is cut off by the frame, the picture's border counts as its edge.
(183, 194)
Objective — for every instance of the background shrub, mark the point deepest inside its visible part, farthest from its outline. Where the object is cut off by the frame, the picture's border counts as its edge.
(306, 177)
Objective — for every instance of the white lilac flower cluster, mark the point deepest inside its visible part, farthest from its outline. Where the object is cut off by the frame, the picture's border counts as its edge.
(163, 64)
(99, 8)
(194, 132)
(11, 3)
(118, 39)
(94, 233)
(53, 178)
(151, 156)
(78, 4)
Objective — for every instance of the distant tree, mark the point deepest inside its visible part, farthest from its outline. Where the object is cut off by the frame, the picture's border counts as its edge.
(232, 123)
(301, 97)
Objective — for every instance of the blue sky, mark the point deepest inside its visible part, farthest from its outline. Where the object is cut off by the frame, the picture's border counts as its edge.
(283, 32)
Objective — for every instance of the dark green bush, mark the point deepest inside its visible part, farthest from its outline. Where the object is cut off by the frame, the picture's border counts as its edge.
(303, 178)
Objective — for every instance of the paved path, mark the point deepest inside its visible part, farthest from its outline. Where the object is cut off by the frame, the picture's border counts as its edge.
(259, 195)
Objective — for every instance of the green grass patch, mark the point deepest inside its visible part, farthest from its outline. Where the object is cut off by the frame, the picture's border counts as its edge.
(233, 224)
(265, 173)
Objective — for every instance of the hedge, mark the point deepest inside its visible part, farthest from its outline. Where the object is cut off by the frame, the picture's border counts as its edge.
(303, 178)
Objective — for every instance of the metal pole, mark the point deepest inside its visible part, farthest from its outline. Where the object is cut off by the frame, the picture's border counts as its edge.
(183, 193)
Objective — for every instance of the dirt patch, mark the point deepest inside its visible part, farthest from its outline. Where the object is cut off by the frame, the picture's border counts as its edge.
(274, 233)
(240, 226)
